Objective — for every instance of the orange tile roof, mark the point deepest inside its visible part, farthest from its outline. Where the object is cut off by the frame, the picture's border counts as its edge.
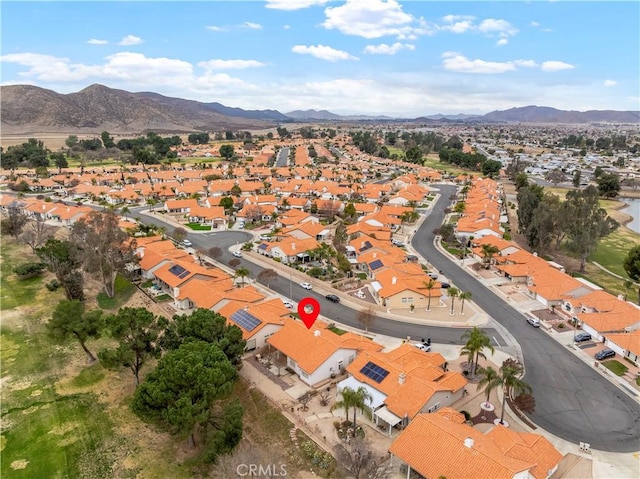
(627, 341)
(434, 446)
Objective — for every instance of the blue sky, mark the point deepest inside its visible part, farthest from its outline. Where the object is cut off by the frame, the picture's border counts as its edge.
(349, 56)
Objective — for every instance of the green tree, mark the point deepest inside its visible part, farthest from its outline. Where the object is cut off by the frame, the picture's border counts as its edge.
(547, 224)
(476, 341)
(577, 178)
(64, 260)
(107, 140)
(510, 373)
(208, 326)
(71, 141)
(488, 252)
(528, 200)
(242, 273)
(183, 394)
(429, 284)
(60, 160)
(491, 168)
(414, 155)
(463, 296)
(227, 203)
(521, 181)
(69, 319)
(453, 294)
(490, 380)
(137, 331)
(350, 211)
(608, 185)
(106, 249)
(632, 266)
(226, 151)
(356, 399)
(586, 223)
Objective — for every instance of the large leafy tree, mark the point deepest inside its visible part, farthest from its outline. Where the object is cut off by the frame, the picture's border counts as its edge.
(586, 223)
(528, 200)
(547, 224)
(183, 394)
(63, 259)
(69, 319)
(106, 249)
(137, 331)
(632, 266)
(476, 341)
(14, 222)
(609, 185)
(208, 326)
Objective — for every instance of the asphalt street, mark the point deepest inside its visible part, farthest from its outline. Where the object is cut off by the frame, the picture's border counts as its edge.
(573, 401)
(283, 157)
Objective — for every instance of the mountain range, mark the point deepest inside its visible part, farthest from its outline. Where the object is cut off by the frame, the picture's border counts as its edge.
(27, 109)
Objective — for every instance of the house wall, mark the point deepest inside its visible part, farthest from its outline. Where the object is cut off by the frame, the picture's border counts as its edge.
(324, 371)
(263, 334)
(405, 299)
(595, 335)
(441, 399)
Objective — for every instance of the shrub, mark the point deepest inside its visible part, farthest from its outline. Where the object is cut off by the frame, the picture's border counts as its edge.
(506, 236)
(52, 285)
(561, 325)
(29, 270)
(315, 272)
(467, 416)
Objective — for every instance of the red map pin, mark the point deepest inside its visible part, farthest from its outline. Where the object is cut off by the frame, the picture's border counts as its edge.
(308, 318)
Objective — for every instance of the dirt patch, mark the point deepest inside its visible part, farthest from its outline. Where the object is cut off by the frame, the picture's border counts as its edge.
(19, 464)
(64, 428)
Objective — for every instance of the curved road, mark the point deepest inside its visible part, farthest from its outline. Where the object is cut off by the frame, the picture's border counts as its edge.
(573, 401)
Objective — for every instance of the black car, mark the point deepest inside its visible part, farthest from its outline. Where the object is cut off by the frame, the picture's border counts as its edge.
(604, 354)
(445, 285)
(333, 298)
(580, 337)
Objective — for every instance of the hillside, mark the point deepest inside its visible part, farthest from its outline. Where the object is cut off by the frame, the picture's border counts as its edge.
(544, 114)
(26, 109)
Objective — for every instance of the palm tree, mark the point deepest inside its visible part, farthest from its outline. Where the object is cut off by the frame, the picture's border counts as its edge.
(348, 400)
(429, 285)
(463, 295)
(361, 397)
(477, 340)
(453, 294)
(490, 380)
(511, 371)
(242, 273)
(488, 251)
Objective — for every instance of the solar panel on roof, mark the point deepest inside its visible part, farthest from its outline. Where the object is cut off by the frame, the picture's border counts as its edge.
(263, 246)
(245, 320)
(366, 245)
(179, 271)
(374, 372)
(375, 265)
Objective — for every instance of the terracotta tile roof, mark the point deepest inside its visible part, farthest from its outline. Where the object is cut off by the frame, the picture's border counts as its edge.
(627, 341)
(434, 446)
(311, 351)
(268, 312)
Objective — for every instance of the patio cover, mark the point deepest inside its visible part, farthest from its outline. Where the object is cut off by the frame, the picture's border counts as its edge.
(353, 383)
(387, 416)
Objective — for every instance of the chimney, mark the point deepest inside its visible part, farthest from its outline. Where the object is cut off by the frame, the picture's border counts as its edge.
(375, 255)
(246, 308)
(394, 280)
(401, 378)
(293, 246)
(468, 442)
(316, 333)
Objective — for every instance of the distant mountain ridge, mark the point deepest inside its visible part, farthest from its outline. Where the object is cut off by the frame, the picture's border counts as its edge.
(27, 109)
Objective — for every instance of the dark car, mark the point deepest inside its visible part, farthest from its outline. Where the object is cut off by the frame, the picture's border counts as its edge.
(445, 285)
(333, 298)
(580, 337)
(604, 354)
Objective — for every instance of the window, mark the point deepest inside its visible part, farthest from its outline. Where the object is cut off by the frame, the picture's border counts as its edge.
(303, 374)
(408, 300)
(434, 408)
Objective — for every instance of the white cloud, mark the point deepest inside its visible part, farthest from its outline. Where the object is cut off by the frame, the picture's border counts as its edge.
(455, 62)
(216, 64)
(130, 40)
(215, 28)
(609, 83)
(384, 49)
(252, 26)
(457, 23)
(534, 24)
(293, 4)
(502, 41)
(286, 27)
(525, 63)
(93, 41)
(323, 52)
(492, 25)
(370, 19)
(554, 66)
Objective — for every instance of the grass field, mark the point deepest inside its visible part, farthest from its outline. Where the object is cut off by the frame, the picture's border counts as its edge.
(17, 292)
(124, 290)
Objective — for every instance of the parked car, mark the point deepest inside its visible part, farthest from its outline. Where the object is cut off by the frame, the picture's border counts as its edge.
(187, 243)
(580, 337)
(237, 254)
(604, 354)
(287, 303)
(397, 242)
(265, 238)
(445, 285)
(433, 276)
(305, 285)
(535, 322)
(423, 347)
(333, 298)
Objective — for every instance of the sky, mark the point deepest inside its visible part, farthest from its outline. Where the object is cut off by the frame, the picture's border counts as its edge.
(372, 57)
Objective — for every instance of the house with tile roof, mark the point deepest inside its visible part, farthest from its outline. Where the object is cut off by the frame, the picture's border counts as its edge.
(318, 354)
(626, 345)
(442, 445)
(180, 205)
(213, 216)
(290, 249)
(403, 382)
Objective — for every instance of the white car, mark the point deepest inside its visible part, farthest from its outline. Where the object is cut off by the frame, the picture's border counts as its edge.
(187, 243)
(423, 347)
(397, 242)
(237, 254)
(305, 285)
(287, 303)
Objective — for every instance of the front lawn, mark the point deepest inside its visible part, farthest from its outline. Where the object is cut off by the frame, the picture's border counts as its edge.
(616, 367)
(124, 290)
(336, 330)
(199, 227)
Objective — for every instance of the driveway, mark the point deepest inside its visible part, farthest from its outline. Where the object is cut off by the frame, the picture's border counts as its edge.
(573, 401)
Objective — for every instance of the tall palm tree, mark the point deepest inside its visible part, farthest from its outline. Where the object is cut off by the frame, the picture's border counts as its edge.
(361, 397)
(242, 273)
(463, 295)
(488, 252)
(490, 380)
(477, 340)
(510, 373)
(429, 285)
(453, 294)
(348, 400)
